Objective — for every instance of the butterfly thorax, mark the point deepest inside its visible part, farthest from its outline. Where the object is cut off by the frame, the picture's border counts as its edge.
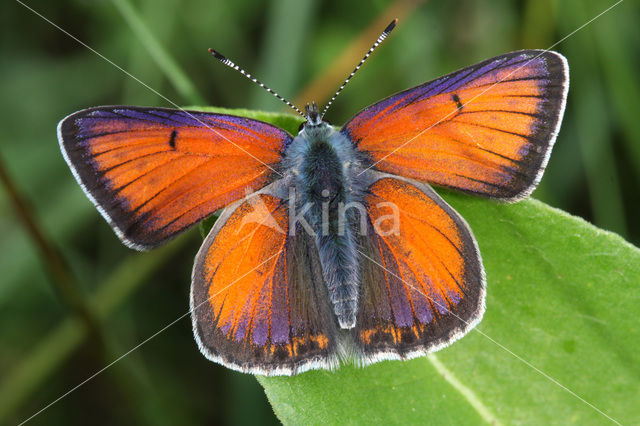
(323, 165)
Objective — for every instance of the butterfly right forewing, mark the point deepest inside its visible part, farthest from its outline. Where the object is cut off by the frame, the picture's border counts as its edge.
(487, 129)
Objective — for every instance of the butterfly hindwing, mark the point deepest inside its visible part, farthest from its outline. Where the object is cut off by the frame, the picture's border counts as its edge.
(487, 129)
(259, 302)
(423, 282)
(153, 172)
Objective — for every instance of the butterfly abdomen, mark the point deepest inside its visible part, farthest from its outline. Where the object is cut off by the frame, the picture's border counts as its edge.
(326, 191)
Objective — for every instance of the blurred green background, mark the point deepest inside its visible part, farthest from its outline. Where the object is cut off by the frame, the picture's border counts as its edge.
(73, 299)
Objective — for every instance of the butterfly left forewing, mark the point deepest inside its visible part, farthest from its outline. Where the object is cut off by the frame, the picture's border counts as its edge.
(259, 302)
(423, 282)
(153, 172)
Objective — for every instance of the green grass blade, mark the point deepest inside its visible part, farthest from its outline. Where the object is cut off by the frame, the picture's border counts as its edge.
(280, 53)
(165, 62)
(55, 348)
(588, 103)
(614, 45)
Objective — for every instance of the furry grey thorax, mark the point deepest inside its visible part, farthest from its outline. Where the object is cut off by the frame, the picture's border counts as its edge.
(322, 169)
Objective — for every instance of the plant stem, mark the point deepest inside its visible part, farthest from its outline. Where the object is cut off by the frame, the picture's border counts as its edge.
(55, 348)
(62, 279)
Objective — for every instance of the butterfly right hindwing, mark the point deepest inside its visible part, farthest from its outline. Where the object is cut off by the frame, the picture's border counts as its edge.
(423, 282)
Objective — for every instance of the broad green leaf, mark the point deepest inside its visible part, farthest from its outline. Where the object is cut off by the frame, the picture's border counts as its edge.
(559, 342)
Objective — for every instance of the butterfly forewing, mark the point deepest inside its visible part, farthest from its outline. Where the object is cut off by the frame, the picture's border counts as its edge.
(487, 129)
(153, 172)
(423, 282)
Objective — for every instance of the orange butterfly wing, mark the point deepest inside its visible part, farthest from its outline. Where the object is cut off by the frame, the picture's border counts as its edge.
(259, 303)
(423, 282)
(153, 172)
(487, 129)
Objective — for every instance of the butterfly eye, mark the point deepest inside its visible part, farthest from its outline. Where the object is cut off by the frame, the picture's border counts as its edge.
(301, 126)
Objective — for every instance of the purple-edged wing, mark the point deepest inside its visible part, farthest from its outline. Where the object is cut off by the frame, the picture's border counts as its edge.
(153, 172)
(259, 303)
(487, 129)
(423, 283)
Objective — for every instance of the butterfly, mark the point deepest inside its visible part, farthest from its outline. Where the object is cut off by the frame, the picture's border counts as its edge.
(332, 245)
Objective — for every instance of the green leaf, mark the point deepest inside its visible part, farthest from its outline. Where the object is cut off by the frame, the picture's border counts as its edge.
(288, 122)
(559, 342)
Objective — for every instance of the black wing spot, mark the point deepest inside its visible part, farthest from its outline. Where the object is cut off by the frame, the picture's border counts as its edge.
(172, 139)
(456, 99)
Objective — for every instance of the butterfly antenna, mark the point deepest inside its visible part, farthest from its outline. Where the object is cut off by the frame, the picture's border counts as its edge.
(380, 39)
(230, 64)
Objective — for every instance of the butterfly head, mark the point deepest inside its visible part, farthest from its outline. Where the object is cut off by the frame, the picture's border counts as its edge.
(314, 122)
(312, 115)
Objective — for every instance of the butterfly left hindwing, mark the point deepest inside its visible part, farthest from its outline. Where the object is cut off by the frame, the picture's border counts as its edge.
(259, 303)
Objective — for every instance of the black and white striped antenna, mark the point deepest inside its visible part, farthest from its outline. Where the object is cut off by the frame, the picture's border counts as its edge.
(380, 39)
(230, 64)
